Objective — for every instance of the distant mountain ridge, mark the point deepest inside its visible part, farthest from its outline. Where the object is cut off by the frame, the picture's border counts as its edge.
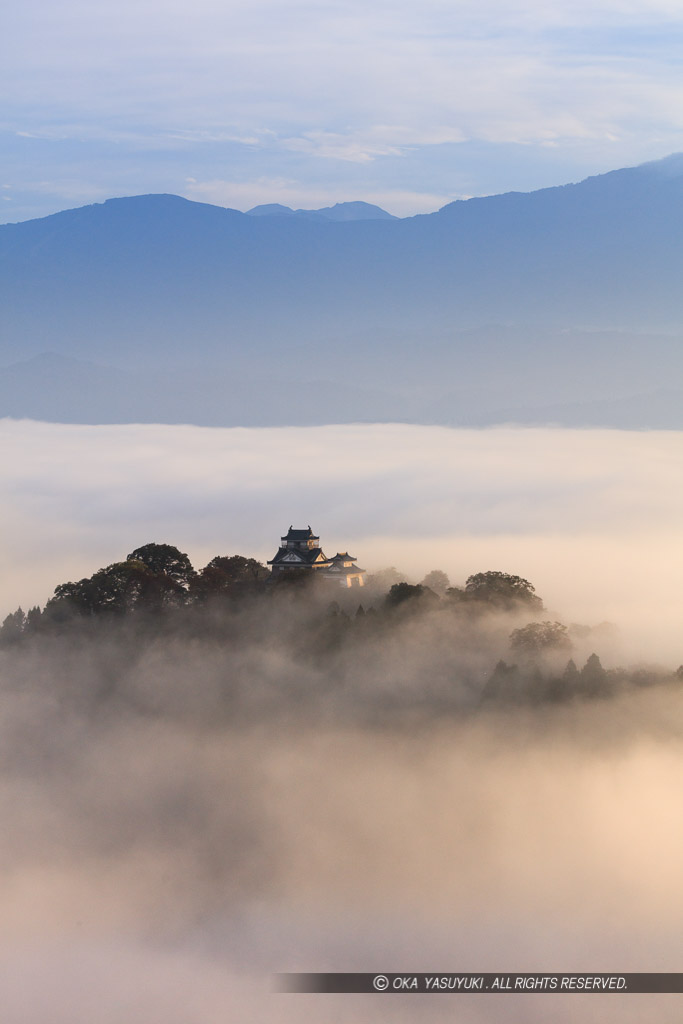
(338, 212)
(551, 300)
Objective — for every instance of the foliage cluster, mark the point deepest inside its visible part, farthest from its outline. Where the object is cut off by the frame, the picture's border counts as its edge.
(234, 603)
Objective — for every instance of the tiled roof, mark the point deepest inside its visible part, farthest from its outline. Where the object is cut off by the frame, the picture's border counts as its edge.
(294, 557)
(301, 534)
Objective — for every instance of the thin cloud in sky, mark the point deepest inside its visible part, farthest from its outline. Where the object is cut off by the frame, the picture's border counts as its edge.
(319, 68)
(345, 84)
(245, 194)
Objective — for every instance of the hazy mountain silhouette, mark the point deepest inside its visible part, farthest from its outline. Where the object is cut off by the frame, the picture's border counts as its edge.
(340, 211)
(550, 300)
(63, 390)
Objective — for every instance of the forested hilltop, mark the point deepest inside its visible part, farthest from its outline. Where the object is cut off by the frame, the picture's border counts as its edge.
(233, 632)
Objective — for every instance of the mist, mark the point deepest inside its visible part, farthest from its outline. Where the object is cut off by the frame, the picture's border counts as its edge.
(184, 817)
(591, 517)
(186, 813)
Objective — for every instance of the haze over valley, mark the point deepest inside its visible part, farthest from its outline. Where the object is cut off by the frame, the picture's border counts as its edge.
(192, 808)
(557, 306)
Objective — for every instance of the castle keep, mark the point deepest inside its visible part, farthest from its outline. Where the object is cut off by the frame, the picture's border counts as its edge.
(300, 549)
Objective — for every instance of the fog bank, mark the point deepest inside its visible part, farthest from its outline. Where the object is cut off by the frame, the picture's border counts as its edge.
(592, 518)
(184, 815)
(160, 863)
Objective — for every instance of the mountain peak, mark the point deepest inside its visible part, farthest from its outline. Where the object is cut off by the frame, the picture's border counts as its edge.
(356, 210)
(271, 210)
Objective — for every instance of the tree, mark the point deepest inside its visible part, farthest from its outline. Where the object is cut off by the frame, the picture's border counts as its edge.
(227, 575)
(540, 638)
(383, 579)
(401, 593)
(566, 686)
(570, 676)
(504, 683)
(239, 569)
(119, 588)
(33, 621)
(437, 581)
(594, 682)
(501, 590)
(164, 559)
(12, 628)
(156, 580)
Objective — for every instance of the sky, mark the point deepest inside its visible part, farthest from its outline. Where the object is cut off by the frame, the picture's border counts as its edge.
(592, 518)
(407, 105)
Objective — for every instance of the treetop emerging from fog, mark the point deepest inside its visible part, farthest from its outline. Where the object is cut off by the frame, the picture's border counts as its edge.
(405, 643)
(502, 589)
(158, 576)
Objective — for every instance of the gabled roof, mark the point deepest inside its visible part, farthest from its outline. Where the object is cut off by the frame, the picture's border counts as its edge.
(296, 556)
(317, 555)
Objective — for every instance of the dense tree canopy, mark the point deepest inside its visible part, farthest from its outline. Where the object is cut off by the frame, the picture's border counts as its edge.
(165, 560)
(235, 605)
(401, 593)
(540, 637)
(152, 578)
(502, 590)
(227, 575)
(13, 627)
(119, 588)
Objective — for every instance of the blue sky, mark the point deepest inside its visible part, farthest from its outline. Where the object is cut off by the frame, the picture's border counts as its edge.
(405, 104)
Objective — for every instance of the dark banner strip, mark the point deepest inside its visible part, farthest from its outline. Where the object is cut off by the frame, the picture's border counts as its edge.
(384, 984)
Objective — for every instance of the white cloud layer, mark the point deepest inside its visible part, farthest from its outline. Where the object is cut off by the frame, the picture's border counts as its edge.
(592, 518)
(183, 817)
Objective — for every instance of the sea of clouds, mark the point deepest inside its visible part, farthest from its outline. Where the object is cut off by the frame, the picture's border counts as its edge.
(164, 850)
